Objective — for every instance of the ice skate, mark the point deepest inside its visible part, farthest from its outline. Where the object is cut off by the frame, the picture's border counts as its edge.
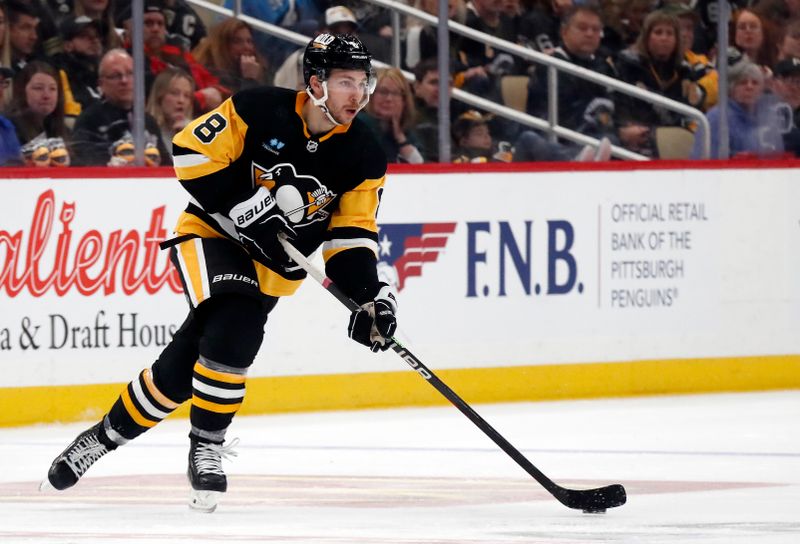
(205, 473)
(74, 461)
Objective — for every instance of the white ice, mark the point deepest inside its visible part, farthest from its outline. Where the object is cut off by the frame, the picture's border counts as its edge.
(708, 469)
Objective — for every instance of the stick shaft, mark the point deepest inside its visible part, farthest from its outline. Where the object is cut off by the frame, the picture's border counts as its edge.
(570, 498)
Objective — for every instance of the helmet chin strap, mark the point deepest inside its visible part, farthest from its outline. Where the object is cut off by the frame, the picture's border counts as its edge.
(322, 102)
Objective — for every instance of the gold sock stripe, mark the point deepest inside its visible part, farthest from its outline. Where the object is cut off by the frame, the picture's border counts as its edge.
(224, 377)
(214, 407)
(158, 395)
(134, 412)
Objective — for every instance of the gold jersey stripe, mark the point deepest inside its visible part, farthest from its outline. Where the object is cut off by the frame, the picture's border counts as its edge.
(189, 223)
(158, 395)
(273, 284)
(328, 253)
(191, 259)
(358, 207)
(225, 145)
(214, 407)
(135, 414)
(224, 377)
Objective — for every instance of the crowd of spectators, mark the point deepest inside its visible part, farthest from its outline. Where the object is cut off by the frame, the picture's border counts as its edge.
(66, 74)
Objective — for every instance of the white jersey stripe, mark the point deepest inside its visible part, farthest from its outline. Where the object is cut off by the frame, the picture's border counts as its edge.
(340, 243)
(185, 161)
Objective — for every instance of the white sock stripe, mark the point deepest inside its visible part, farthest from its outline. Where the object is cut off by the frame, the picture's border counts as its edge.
(151, 410)
(218, 392)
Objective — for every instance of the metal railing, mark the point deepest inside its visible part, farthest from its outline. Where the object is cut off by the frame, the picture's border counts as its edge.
(554, 65)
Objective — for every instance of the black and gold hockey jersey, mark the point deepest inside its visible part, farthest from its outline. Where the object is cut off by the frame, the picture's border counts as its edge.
(328, 185)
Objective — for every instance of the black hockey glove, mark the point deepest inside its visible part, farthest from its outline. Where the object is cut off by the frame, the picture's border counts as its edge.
(258, 220)
(375, 323)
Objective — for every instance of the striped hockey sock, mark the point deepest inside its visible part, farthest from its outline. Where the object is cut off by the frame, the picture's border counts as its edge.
(139, 407)
(217, 394)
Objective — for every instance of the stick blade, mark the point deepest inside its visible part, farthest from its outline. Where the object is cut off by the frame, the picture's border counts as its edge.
(596, 500)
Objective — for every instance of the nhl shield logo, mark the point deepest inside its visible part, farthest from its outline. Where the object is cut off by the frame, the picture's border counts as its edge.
(312, 146)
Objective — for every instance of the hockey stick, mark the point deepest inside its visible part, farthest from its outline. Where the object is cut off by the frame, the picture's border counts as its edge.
(589, 500)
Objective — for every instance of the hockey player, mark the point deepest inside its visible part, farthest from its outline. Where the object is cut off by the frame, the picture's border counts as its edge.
(266, 161)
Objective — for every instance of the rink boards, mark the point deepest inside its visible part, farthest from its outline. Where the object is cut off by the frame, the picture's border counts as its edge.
(513, 285)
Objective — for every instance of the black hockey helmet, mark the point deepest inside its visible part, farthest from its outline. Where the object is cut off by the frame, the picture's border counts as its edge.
(329, 51)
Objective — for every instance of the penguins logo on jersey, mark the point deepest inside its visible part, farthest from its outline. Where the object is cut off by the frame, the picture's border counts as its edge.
(301, 197)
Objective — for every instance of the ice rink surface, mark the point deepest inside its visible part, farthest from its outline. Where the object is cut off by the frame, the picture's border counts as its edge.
(698, 469)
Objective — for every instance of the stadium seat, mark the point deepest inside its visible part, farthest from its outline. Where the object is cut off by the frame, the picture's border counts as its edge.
(674, 142)
(514, 91)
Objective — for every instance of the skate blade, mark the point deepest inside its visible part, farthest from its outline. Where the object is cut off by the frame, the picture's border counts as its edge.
(45, 486)
(204, 501)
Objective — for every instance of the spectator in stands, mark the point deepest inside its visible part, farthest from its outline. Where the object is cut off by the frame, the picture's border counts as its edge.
(786, 86)
(102, 134)
(338, 20)
(750, 36)
(184, 23)
(701, 69)
(624, 20)
(23, 35)
(655, 62)
(483, 65)
(291, 14)
(5, 53)
(230, 55)
(753, 127)
(37, 112)
(5, 47)
(540, 27)
(9, 143)
(101, 11)
(161, 54)
(48, 41)
(422, 38)
(426, 104)
(789, 44)
(78, 63)
(390, 114)
(581, 30)
(473, 140)
(170, 102)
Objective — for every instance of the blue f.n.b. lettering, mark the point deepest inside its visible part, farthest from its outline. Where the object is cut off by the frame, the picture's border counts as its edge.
(473, 255)
(560, 254)
(508, 244)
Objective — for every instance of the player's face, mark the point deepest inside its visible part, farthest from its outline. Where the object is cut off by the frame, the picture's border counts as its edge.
(348, 92)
